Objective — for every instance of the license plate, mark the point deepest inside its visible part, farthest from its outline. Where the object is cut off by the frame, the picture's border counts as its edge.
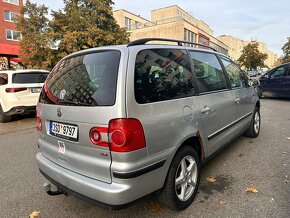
(62, 130)
(35, 90)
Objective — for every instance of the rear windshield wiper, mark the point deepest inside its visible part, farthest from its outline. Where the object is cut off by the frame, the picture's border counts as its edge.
(74, 102)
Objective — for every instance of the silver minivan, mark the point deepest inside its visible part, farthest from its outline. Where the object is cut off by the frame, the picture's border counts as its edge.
(118, 123)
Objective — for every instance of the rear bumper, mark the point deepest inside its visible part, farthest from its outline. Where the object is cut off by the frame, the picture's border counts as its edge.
(65, 190)
(113, 195)
(21, 110)
(12, 105)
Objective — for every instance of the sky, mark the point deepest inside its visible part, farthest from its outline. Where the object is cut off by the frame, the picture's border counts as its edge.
(263, 20)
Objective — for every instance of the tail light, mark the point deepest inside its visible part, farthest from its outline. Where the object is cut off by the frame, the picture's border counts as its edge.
(9, 90)
(99, 136)
(38, 119)
(124, 134)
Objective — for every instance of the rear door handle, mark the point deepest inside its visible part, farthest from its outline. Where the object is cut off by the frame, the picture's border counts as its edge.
(237, 100)
(205, 110)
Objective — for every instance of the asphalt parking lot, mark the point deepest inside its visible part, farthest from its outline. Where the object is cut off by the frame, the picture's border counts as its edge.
(262, 163)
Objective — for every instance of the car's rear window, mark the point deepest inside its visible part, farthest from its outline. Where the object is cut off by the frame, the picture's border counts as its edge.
(84, 80)
(35, 77)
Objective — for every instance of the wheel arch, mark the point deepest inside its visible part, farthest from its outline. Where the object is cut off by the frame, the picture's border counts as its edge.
(258, 104)
(194, 141)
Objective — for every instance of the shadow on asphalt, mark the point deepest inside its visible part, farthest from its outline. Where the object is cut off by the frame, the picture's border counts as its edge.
(22, 117)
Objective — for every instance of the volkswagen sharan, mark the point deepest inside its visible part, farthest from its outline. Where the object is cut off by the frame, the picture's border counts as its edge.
(118, 123)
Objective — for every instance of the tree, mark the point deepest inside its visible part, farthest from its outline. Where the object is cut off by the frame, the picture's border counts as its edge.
(85, 24)
(251, 57)
(286, 51)
(34, 45)
(81, 24)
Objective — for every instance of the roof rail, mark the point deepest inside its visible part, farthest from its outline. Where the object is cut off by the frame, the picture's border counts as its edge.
(179, 42)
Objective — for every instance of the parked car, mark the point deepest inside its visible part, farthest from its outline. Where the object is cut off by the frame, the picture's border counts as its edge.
(117, 123)
(19, 91)
(276, 82)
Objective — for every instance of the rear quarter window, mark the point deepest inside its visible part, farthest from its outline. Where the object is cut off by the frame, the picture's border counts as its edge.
(3, 79)
(162, 74)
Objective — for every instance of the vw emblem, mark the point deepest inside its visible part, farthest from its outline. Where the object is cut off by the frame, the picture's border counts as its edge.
(62, 94)
(59, 112)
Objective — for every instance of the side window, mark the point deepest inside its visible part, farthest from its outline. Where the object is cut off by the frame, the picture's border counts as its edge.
(237, 77)
(3, 79)
(162, 74)
(280, 71)
(208, 70)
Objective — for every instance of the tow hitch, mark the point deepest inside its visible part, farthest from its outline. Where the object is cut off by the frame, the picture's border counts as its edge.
(51, 189)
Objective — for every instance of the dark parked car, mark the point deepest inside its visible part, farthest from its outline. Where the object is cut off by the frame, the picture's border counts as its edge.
(276, 82)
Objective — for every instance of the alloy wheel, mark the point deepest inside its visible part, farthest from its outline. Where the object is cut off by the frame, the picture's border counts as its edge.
(186, 178)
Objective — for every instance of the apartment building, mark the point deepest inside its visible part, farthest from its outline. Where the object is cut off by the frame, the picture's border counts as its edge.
(236, 46)
(9, 36)
(170, 22)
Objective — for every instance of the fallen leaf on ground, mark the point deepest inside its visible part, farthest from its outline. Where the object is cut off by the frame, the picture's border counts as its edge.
(34, 214)
(252, 190)
(155, 206)
(222, 203)
(211, 179)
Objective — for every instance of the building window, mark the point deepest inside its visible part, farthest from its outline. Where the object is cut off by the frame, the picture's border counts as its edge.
(13, 35)
(138, 25)
(128, 23)
(10, 16)
(219, 48)
(189, 36)
(15, 2)
(203, 40)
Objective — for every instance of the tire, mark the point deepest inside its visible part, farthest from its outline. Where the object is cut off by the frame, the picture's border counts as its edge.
(255, 125)
(180, 196)
(3, 117)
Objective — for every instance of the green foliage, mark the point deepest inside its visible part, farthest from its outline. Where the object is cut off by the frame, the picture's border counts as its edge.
(80, 25)
(34, 45)
(286, 51)
(251, 57)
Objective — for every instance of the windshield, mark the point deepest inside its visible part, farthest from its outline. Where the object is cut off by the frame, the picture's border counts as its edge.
(85, 80)
(34, 77)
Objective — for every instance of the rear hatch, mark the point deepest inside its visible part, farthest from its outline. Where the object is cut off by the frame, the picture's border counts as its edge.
(30, 83)
(79, 95)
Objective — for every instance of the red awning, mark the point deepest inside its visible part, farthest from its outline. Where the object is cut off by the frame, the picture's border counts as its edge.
(8, 49)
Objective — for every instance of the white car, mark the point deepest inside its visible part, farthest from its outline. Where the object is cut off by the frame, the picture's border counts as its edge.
(19, 91)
